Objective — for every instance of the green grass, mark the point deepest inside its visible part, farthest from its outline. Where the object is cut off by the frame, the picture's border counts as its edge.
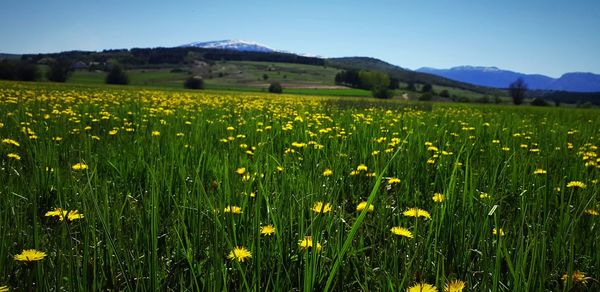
(164, 79)
(160, 78)
(162, 170)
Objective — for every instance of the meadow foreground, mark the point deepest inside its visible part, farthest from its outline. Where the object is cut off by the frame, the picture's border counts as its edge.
(110, 188)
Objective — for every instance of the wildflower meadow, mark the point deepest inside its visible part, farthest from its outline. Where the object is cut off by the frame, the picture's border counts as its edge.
(107, 188)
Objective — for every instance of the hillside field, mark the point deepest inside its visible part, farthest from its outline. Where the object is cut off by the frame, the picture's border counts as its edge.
(249, 76)
(141, 189)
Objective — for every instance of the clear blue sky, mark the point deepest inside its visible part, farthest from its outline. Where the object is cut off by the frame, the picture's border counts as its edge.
(532, 36)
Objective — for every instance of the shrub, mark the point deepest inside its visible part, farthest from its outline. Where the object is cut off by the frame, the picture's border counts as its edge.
(60, 70)
(275, 87)
(381, 92)
(444, 93)
(28, 72)
(426, 88)
(539, 102)
(117, 75)
(194, 82)
(19, 70)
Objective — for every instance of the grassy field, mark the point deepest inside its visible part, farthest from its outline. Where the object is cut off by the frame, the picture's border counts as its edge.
(237, 76)
(119, 188)
(248, 76)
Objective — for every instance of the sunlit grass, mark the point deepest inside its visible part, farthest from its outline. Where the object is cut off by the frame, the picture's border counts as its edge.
(158, 190)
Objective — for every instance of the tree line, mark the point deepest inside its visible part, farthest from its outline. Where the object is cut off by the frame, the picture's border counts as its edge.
(156, 56)
(380, 84)
(19, 70)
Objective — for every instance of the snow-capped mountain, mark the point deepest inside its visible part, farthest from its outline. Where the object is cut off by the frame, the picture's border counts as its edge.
(236, 45)
(241, 45)
(495, 77)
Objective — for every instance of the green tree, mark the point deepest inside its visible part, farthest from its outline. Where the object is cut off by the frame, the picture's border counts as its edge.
(275, 87)
(426, 88)
(372, 79)
(517, 91)
(445, 93)
(117, 75)
(59, 71)
(194, 82)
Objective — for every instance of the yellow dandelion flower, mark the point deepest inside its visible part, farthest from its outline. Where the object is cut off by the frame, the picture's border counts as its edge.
(14, 156)
(298, 144)
(438, 198)
(233, 209)
(320, 207)
(576, 185)
(362, 167)
(422, 287)
(279, 169)
(362, 205)
(307, 244)
(155, 133)
(79, 166)
(74, 215)
(240, 170)
(327, 172)
(240, 254)
(416, 212)
(267, 230)
(354, 172)
(62, 214)
(246, 177)
(591, 212)
(30, 255)
(454, 286)
(496, 232)
(10, 142)
(401, 231)
(577, 277)
(393, 180)
(539, 171)
(57, 212)
(484, 196)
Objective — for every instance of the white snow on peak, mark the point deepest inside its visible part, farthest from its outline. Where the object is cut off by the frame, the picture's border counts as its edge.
(242, 45)
(238, 45)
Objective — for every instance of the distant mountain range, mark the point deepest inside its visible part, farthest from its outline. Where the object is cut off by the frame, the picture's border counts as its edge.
(494, 77)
